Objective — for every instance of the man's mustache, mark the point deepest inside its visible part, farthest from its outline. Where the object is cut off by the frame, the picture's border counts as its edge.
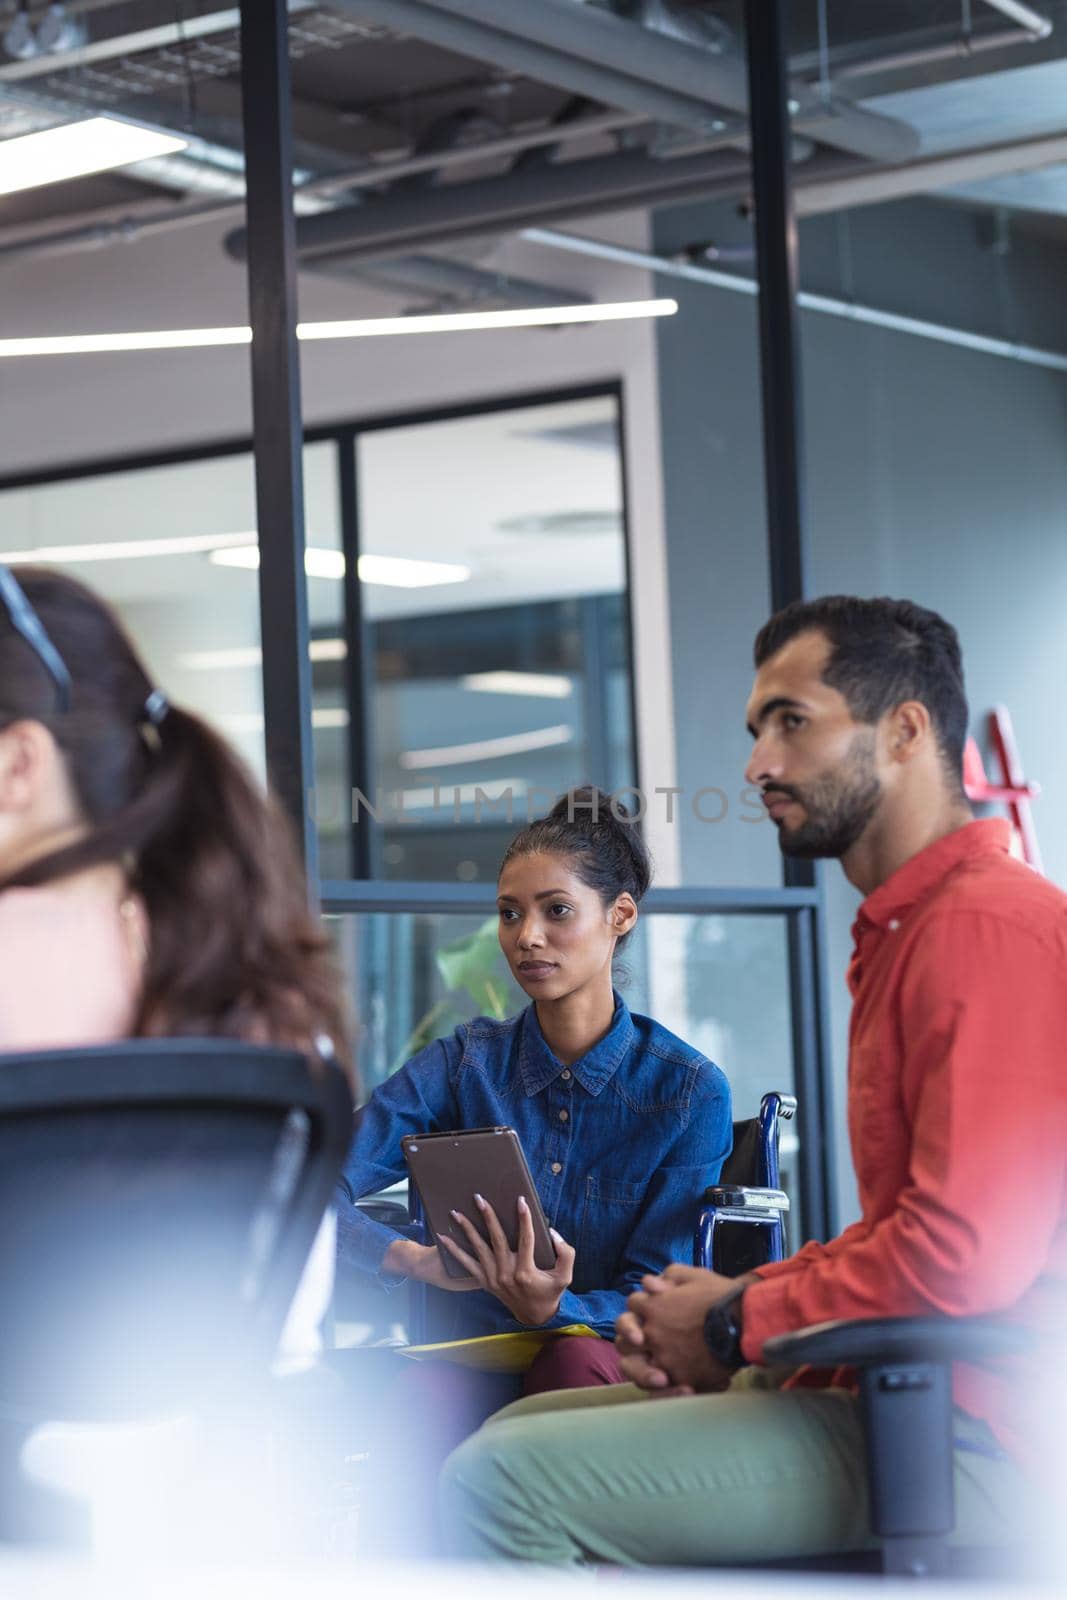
(779, 791)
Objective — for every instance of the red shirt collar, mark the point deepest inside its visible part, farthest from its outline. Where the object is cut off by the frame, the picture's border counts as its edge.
(923, 872)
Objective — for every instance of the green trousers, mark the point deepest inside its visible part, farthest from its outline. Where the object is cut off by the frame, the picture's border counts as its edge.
(753, 1474)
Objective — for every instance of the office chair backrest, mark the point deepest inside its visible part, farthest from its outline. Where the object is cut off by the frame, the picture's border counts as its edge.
(158, 1199)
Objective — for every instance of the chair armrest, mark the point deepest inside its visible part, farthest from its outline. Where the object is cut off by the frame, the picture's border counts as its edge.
(391, 1212)
(744, 1197)
(868, 1342)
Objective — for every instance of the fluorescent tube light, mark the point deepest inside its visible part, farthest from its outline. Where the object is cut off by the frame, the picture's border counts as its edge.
(318, 563)
(446, 797)
(395, 572)
(250, 655)
(252, 721)
(401, 572)
(241, 550)
(76, 344)
(364, 328)
(328, 650)
(129, 549)
(544, 685)
(471, 321)
(511, 744)
(97, 144)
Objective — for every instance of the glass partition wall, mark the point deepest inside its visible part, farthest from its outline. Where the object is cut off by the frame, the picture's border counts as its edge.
(470, 643)
(491, 664)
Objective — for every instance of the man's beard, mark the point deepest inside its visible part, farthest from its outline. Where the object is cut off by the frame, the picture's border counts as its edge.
(838, 806)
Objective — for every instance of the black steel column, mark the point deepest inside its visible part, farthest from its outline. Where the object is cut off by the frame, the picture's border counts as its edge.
(810, 1058)
(365, 832)
(776, 262)
(272, 301)
(784, 479)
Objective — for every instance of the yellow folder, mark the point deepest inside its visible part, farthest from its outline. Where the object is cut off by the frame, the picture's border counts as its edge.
(496, 1352)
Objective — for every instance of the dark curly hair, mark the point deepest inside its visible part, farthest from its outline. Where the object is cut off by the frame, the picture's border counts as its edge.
(883, 652)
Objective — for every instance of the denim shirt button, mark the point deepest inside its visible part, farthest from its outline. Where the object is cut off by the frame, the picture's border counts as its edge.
(566, 1075)
(563, 1116)
(557, 1166)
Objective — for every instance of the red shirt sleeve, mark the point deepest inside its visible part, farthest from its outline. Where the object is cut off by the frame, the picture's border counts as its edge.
(983, 1103)
(813, 1251)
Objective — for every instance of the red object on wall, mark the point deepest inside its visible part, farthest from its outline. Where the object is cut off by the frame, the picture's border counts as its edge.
(1013, 791)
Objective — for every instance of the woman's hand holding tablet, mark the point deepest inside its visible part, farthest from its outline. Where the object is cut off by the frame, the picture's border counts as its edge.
(531, 1293)
(503, 1245)
(408, 1259)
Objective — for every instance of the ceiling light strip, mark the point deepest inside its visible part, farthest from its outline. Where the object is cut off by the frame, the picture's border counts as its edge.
(362, 328)
(76, 149)
(510, 744)
(186, 544)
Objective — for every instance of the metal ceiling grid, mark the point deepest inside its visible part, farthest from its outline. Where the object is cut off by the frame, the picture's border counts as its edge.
(170, 68)
(470, 119)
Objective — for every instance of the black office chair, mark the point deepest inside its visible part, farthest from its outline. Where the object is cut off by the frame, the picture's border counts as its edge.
(159, 1200)
(904, 1366)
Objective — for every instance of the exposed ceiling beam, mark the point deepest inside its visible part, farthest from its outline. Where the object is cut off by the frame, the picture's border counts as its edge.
(622, 64)
(112, 225)
(446, 282)
(406, 221)
(836, 193)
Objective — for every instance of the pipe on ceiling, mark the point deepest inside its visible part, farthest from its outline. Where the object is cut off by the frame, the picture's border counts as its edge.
(964, 48)
(450, 281)
(594, 53)
(879, 184)
(828, 305)
(404, 221)
(1025, 17)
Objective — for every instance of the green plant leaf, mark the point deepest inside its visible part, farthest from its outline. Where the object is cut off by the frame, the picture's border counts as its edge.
(475, 963)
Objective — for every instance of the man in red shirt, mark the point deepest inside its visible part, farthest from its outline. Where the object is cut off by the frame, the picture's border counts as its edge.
(957, 1110)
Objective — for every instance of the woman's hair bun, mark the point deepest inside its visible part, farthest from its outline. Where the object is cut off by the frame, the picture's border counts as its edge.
(599, 835)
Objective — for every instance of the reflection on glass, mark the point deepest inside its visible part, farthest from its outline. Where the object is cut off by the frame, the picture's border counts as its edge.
(149, 540)
(719, 982)
(494, 599)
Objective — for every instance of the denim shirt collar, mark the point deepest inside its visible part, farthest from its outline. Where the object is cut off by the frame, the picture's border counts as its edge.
(538, 1066)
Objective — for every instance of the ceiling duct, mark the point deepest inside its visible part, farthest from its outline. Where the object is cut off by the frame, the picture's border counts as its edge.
(402, 222)
(622, 64)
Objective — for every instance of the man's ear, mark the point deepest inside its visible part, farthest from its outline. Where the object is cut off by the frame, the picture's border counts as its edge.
(27, 751)
(909, 730)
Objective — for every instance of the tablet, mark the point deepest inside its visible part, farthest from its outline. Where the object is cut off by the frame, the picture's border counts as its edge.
(448, 1169)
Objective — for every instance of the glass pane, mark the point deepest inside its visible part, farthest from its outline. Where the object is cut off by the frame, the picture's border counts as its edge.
(152, 541)
(493, 564)
(719, 982)
(722, 984)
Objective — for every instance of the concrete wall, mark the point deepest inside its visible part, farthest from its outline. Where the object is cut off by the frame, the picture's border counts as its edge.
(934, 473)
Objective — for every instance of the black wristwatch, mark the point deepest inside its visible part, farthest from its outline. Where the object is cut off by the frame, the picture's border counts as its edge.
(722, 1330)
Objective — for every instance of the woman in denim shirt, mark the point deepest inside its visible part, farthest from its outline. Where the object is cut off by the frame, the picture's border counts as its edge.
(623, 1124)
